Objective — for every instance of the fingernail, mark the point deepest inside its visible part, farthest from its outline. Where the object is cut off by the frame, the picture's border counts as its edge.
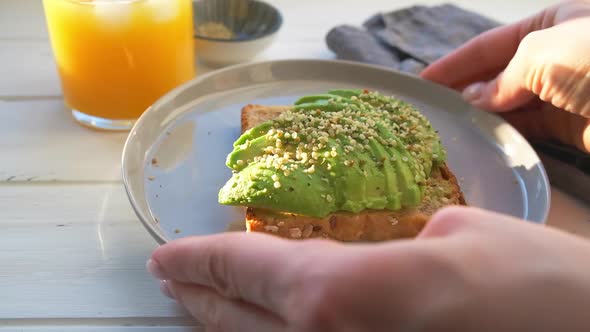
(155, 269)
(473, 92)
(165, 289)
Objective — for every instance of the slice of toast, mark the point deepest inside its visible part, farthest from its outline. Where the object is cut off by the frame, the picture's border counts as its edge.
(441, 190)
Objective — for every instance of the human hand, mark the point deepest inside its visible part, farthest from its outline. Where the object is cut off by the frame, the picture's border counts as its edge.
(535, 68)
(469, 270)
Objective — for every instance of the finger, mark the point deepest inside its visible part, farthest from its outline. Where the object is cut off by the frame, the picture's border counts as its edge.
(509, 90)
(482, 57)
(457, 220)
(218, 313)
(249, 266)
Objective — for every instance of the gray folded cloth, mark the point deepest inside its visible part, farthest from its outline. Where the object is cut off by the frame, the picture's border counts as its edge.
(408, 39)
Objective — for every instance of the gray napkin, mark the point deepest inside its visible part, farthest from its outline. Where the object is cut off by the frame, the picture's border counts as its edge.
(410, 38)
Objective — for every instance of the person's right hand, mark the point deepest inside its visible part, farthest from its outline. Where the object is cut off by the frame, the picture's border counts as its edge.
(468, 270)
(536, 68)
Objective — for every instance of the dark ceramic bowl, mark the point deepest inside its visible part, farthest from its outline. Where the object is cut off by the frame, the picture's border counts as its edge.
(233, 31)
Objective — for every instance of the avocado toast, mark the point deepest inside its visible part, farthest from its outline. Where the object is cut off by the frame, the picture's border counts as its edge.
(350, 165)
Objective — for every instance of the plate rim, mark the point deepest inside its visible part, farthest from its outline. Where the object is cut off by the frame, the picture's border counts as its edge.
(174, 92)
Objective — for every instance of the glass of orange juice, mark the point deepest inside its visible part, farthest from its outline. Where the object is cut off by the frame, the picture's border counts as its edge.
(116, 57)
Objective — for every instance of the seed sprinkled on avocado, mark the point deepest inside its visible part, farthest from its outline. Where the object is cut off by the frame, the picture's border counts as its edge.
(360, 140)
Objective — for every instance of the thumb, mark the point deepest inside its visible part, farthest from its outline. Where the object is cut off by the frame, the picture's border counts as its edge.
(509, 89)
(455, 220)
(504, 93)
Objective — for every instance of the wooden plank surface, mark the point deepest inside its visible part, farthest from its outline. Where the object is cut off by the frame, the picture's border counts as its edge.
(24, 19)
(75, 251)
(40, 142)
(25, 54)
(71, 253)
(71, 249)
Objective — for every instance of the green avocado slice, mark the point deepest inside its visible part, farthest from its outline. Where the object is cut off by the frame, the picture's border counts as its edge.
(345, 150)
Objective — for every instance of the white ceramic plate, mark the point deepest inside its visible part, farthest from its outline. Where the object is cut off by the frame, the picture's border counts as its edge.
(174, 158)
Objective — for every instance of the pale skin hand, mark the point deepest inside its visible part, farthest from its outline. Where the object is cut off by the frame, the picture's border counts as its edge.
(469, 270)
(535, 68)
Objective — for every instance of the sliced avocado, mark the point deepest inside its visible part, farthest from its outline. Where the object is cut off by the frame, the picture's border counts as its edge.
(346, 93)
(305, 176)
(253, 133)
(322, 105)
(386, 185)
(246, 151)
(313, 99)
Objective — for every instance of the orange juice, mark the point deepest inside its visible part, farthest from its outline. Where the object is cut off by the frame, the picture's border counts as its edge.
(116, 57)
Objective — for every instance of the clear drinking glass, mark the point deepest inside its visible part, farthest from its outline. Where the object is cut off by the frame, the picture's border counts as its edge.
(116, 57)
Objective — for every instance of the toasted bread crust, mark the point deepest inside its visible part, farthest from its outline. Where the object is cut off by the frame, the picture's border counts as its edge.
(368, 225)
(253, 115)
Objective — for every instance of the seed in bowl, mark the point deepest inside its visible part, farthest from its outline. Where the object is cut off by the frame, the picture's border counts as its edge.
(214, 30)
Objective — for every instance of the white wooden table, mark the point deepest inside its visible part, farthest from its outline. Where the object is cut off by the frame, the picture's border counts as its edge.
(72, 252)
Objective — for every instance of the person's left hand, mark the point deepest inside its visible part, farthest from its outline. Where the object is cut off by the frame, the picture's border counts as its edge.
(469, 270)
(535, 73)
